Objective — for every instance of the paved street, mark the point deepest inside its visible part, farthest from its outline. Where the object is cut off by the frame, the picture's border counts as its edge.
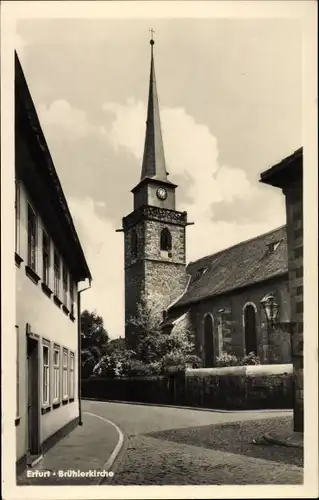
(182, 446)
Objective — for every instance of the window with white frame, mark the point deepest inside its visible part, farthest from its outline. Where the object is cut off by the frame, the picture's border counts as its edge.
(57, 273)
(17, 214)
(71, 375)
(65, 374)
(71, 296)
(17, 372)
(32, 238)
(45, 375)
(65, 285)
(45, 257)
(56, 374)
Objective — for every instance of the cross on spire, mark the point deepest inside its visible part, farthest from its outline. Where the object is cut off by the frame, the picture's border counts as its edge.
(152, 36)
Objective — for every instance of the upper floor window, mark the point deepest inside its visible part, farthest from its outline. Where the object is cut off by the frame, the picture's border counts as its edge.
(57, 272)
(72, 296)
(65, 285)
(17, 214)
(32, 237)
(134, 243)
(166, 243)
(45, 257)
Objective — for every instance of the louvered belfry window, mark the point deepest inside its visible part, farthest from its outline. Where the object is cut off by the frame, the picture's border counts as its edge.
(134, 243)
(166, 240)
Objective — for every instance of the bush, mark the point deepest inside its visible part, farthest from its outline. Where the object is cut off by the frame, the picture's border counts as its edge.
(114, 363)
(177, 358)
(137, 368)
(231, 360)
(194, 361)
(251, 359)
(227, 360)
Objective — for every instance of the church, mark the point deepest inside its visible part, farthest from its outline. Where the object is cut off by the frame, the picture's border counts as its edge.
(218, 297)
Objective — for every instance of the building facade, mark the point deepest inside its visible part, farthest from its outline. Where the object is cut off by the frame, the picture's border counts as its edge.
(49, 265)
(288, 175)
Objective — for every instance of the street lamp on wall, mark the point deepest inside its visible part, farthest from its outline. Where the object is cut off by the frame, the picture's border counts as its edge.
(271, 308)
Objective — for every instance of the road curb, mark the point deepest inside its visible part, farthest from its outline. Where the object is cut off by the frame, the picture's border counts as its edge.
(272, 410)
(115, 453)
(282, 442)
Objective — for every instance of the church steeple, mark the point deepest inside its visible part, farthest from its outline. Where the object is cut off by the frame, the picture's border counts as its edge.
(153, 159)
(154, 232)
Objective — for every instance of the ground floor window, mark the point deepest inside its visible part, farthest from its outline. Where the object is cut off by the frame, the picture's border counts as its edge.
(45, 375)
(17, 372)
(65, 374)
(71, 375)
(56, 374)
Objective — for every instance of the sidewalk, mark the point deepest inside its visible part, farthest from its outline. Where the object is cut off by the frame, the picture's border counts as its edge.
(285, 438)
(282, 435)
(87, 449)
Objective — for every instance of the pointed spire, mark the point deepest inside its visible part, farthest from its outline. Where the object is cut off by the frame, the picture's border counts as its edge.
(153, 159)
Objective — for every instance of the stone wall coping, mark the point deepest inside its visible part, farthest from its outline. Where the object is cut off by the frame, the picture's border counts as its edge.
(248, 371)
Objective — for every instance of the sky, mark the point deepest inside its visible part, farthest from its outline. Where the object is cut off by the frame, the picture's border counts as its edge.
(231, 107)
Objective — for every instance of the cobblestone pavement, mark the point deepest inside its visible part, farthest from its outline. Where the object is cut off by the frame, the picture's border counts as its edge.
(173, 446)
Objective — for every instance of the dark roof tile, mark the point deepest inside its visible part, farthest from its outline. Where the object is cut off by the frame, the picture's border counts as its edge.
(246, 263)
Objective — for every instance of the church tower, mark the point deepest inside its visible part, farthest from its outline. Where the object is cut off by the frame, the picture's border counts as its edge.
(154, 233)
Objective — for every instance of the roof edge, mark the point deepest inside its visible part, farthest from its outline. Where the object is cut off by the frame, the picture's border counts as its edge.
(232, 289)
(272, 176)
(155, 180)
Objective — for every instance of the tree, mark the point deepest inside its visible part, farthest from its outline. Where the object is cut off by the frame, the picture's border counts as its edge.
(155, 346)
(114, 362)
(94, 341)
(116, 344)
(93, 332)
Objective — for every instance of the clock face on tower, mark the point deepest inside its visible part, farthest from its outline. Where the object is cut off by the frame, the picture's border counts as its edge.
(161, 193)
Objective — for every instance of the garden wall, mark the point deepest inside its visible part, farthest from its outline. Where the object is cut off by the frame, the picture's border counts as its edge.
(233, 388)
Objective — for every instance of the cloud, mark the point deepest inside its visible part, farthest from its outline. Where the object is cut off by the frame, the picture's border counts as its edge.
(72, 120)
(104, 251)
(128, 126)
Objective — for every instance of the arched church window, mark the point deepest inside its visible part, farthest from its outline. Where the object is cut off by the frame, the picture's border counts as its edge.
(209, 340)
(250, 328)
(134, 244)
(166, 240)
(166, 243)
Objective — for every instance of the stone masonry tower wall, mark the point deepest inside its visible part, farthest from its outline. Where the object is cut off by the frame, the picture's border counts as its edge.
(153, 277)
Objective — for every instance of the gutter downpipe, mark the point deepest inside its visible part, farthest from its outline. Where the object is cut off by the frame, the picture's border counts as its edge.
(79, 350)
